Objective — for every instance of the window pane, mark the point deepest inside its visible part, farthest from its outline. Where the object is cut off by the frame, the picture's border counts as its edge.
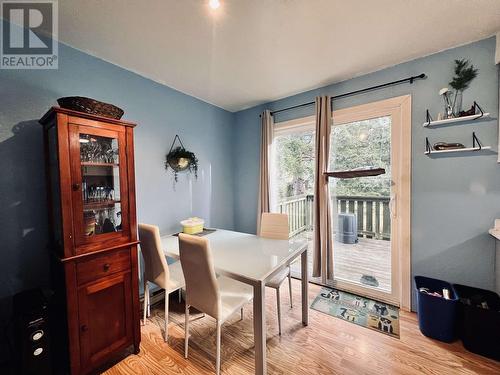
(293, 179)
(294, 175)
(360, 206)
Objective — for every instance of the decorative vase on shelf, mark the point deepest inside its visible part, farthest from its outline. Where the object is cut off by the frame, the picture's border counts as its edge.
(457, 103)
(448, 105)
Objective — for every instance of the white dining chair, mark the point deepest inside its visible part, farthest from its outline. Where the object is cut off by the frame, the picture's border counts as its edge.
(157, 270)
(275, 226)
(218, 297)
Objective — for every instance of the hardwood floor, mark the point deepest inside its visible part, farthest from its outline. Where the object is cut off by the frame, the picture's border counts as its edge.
(327, 346)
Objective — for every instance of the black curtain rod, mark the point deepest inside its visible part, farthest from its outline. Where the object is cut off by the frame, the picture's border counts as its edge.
(409, 79)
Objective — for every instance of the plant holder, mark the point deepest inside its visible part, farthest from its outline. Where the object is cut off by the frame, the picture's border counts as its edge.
(179, 159)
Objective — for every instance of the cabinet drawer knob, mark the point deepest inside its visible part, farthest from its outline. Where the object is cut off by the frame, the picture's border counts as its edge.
(76, 187)
(84, 328)
(106, 267)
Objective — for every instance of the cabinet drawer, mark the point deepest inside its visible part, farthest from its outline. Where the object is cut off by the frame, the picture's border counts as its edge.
(102, 265)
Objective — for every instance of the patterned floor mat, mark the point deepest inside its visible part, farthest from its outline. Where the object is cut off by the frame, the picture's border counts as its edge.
(358, 310)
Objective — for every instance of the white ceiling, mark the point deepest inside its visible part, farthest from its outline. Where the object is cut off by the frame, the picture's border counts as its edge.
(253, 51)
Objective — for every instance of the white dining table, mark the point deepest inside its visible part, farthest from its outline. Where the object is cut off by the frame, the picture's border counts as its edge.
(252, 260)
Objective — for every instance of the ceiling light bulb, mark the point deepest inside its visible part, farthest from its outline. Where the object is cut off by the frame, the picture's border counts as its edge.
(214, 4)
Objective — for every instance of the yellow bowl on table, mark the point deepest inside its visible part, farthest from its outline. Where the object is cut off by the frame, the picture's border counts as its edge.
(193, 225)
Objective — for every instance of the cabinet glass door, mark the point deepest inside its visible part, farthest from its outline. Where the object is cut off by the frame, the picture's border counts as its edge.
(98, 177)
(99, 158)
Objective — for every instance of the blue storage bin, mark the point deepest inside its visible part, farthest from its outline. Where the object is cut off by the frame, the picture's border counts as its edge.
(437, 316)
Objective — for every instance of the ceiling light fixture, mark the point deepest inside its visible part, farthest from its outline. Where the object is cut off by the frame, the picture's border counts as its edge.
(214, 4)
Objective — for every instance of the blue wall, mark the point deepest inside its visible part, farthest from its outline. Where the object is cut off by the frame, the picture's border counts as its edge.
(160, 112)
(458, 197)
(454, 199)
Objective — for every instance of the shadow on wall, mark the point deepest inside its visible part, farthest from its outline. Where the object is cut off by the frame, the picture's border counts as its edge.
(450, 262)
(23, 220)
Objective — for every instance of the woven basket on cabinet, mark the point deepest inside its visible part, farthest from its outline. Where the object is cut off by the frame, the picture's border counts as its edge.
(92, 106)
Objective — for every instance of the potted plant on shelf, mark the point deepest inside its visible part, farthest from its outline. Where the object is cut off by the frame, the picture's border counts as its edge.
(465, 72)
(179, 159)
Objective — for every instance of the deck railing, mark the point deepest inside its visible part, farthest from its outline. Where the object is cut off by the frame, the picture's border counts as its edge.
(300, 213)
(373, 214)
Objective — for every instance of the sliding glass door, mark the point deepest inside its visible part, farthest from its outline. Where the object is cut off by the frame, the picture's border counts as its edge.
(361, 217)
(370, 215)
(293, 179)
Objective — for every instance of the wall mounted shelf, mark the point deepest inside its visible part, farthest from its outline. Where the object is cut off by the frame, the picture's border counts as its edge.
(495, 233)
(449, 121)
(467, 149)
(476, 146)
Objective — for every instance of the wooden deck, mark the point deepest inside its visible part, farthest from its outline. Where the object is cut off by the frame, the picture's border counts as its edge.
(367, 257)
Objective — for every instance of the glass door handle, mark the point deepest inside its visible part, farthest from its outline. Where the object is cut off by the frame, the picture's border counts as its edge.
(393, 206)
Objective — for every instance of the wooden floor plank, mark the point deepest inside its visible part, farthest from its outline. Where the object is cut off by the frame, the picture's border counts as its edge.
(327, 346)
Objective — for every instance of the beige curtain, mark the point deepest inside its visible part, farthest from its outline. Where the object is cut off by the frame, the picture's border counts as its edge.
(266, 141)
(323, 254)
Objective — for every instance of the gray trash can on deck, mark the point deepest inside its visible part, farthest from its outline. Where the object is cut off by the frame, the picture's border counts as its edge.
(347, 230)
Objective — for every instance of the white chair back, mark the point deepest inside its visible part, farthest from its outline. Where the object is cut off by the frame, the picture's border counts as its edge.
(202, 291)
(274, 226)
(155, 263)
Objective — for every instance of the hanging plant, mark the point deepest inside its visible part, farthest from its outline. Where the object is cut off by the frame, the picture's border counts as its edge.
(179, 159)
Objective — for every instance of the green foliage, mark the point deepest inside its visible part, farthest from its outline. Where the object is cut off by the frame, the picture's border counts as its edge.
(358, 144)
(362, 144)
(464, 74)
(295, 164)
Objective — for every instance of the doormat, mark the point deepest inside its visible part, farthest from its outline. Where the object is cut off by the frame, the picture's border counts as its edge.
(362, 311)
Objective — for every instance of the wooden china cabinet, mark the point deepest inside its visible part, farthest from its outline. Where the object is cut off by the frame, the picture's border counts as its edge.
(90, 178)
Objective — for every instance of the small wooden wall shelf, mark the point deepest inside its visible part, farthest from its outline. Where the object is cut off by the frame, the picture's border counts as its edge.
(353, 173)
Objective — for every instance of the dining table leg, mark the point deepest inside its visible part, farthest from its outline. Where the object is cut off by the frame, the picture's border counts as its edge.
(259, 328)
(305, 289)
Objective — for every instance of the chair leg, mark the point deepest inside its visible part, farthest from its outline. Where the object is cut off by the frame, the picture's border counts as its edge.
(242, 313)
(180, 296)
(186, 331)
(217, 355)
(166, 315)
(290, 288)
(279, 309)
(146, 302)
(149, 302)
